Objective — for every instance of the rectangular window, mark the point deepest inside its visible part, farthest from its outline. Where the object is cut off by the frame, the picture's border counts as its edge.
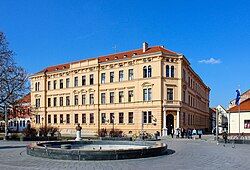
(54, 84)
(76, 82)
(61, 83)
(121, 97)
(84, 118)
(67, 118)
(76, 118)
(130, 117)
(91, 118)
(83, 99)
(111, 97)
(49, 85)
(102, 78)
(130, 95)
(170, 95)
(67, 101)
(55, 119)
(103, 118)
(37, 103)
(103, 98)
(67, 82)
(54, 101)
(91, 99)
(61, 101)
(147, 117)
(83, 80)
(246, 124)
(112, 76)
(49, 119)
(147, 94)
(38, 119)
(130, 74)
(76, 100)
(91, 79)
(49, 102)
(121, 75)
(121, 117)
(112, 117)
(61, 118)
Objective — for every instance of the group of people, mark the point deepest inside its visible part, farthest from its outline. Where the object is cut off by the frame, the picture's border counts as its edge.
(183, 133)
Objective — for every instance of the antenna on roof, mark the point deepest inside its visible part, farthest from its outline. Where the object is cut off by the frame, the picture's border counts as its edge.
(115, 48)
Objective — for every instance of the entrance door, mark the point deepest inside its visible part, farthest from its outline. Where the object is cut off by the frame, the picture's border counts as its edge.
(170, 122)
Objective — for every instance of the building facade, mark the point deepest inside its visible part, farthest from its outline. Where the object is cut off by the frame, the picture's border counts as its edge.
(19, 116)
(239, 118)
(222, 119)
(150, 89)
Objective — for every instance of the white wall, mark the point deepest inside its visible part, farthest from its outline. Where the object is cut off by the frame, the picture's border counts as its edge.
(234, 122)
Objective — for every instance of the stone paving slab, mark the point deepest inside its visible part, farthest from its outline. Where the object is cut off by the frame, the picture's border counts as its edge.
(189, 154)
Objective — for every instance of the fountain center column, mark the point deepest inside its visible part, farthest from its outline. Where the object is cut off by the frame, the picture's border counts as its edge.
(78, 132)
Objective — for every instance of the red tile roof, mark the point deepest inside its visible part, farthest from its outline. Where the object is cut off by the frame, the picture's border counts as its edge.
(57, 67)
(244, 106)
(129, 54)
(116, 56)
(25, 99)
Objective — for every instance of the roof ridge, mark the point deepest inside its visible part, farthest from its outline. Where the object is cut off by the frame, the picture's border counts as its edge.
(126, 51)
(108, 55)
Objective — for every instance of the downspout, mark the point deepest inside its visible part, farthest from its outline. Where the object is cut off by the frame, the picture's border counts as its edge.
(98, 99)
(45, 100)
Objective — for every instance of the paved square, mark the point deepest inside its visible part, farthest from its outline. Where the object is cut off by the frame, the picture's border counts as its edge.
(189, 154)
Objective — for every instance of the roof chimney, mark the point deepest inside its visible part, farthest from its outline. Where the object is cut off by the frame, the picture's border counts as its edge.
(144, 47)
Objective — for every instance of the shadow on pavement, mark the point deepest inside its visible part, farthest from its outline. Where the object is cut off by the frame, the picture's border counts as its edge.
(11, 147)
(170, 152)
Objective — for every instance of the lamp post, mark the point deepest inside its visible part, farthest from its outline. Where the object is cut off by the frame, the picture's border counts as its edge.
(217, 125)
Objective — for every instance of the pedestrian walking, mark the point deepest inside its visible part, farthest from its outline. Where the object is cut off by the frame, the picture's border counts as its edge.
(172, 132)
(194, 133)
(224, 135)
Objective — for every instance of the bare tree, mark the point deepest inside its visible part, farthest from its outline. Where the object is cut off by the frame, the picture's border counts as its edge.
(13, 78)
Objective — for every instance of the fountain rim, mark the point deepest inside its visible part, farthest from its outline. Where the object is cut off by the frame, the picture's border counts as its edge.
(41, 149)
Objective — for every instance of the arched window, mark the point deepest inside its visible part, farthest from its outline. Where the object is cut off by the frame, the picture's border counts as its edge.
(149, 71)
(145, 72)
(167, 70)
(38, 86)
(23, 123)
(172, 71)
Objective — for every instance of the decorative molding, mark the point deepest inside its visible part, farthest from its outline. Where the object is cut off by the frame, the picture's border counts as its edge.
(147, 84)
(91, 90)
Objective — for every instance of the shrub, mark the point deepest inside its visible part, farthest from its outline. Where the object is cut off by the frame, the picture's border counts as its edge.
(103, 132)
(14, 136)
(43, 131)
(30, 132)
(52, 130)
(116, 133)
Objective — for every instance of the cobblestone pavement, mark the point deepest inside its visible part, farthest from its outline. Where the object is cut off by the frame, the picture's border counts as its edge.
(189, 154)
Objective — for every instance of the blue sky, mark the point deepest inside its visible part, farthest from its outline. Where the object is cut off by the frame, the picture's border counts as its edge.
(214, 35)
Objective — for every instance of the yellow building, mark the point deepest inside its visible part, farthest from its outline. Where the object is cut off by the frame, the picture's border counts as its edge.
(149, 89)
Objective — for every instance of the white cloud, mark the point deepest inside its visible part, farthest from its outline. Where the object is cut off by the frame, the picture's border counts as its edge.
(210, 61)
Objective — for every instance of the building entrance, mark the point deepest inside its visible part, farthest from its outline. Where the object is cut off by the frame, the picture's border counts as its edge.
(170, 123)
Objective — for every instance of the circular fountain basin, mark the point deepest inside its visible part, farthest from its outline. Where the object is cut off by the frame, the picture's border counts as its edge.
(96, 149)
